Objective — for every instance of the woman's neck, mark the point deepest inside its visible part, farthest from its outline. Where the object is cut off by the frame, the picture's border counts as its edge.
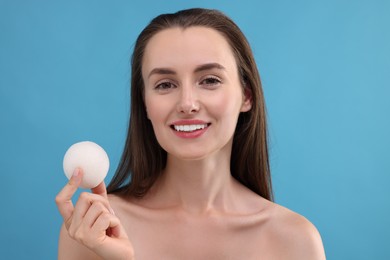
(197, 186)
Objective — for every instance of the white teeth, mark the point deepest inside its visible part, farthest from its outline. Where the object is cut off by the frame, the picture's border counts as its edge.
(189, 128)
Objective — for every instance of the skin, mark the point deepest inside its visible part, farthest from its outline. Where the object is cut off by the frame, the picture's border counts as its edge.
(196, 210)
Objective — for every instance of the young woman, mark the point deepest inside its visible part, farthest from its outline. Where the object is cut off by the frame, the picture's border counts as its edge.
(194, 179)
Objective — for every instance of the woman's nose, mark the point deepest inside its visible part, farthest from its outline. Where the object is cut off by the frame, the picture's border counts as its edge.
(188, 102)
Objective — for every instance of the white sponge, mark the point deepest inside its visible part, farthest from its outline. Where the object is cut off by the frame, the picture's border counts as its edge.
(89, 157)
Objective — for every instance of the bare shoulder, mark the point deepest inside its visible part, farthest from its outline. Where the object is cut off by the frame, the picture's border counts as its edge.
(126, 210)
(292, 236)
(115, 201)
(121, 205)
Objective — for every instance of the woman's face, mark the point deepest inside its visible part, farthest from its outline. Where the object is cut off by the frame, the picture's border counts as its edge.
(193, 94)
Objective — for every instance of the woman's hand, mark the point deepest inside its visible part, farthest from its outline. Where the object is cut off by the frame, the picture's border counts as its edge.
(92, 221)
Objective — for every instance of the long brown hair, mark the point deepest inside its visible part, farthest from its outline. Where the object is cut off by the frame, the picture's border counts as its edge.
(143, 159)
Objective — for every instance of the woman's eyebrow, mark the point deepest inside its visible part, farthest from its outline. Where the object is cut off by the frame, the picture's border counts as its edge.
(161, 71)
(203, 67)
(209, 66)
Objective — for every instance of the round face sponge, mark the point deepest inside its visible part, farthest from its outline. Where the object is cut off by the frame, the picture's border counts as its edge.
(89, 157)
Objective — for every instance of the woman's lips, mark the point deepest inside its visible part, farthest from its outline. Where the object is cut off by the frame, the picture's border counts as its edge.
(189, 128)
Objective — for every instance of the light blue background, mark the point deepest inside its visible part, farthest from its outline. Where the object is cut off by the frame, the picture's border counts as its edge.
(325, 66)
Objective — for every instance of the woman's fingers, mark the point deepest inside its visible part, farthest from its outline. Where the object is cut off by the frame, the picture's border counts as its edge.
(104, 221)
(64, 198)
(117, 240)
(86, 203)
(80, 228)
(91, 220)
(96, 226)
(94, 213)
(100, 190)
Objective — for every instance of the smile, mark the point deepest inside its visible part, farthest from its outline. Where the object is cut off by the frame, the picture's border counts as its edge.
(189, 128)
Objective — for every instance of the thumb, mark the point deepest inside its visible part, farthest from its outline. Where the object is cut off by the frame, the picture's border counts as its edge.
(100, 190)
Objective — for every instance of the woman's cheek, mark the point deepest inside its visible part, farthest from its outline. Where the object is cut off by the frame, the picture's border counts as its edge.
(225, 104)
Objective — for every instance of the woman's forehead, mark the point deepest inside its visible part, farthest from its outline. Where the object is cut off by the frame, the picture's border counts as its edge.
(182, 47)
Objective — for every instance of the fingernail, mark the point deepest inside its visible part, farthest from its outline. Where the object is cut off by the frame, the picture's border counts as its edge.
(112, 211)
(75, 177)
(76, 172)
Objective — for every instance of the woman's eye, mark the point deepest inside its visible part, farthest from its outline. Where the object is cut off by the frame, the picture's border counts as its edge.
(164, 86)
(210, 81)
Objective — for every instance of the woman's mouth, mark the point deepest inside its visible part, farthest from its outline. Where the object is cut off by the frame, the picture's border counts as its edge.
(189, 128)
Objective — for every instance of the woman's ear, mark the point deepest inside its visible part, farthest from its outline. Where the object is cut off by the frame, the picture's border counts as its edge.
(247, 100)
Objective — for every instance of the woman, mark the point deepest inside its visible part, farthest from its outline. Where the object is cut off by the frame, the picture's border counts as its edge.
(196, 154)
